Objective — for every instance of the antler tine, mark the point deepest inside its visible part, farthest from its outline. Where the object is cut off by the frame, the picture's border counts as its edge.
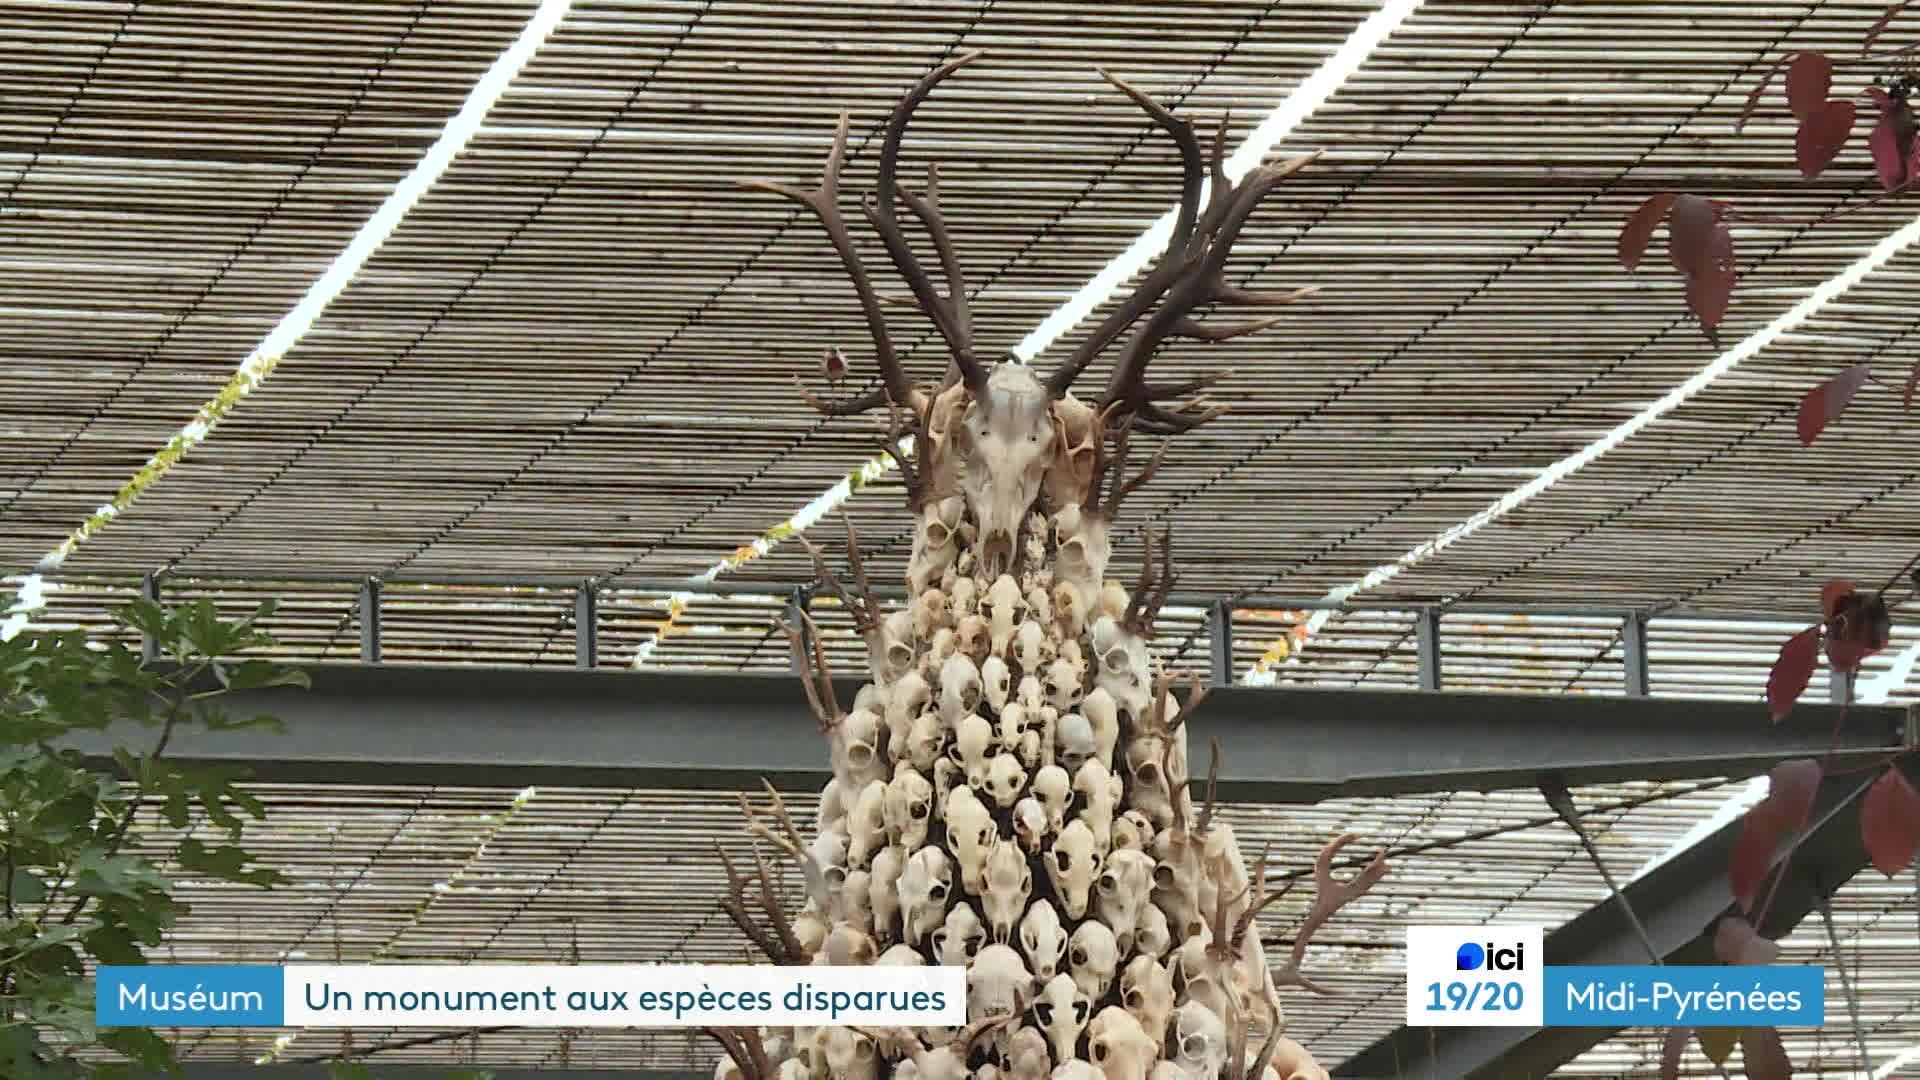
(1167, 270)
(1142, 589)
(734, 903)
(927, 208)
(818, 683)
(909, 471)
(946, 312)
(872, 399)
(859, 568)
(776, 914)
(1329, 895)
(824, 201)
(1213, 780)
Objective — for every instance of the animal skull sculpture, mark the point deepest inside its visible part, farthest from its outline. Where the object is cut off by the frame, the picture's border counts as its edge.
(1011, 712)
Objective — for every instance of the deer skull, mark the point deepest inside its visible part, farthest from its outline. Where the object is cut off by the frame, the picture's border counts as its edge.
(1006, 440)
(1093, 955)
(1199, 1040)
(1195, 979)
(926, 885)
(1062, 1012)
(996, 984)
(1009, 882)
(1043, 939)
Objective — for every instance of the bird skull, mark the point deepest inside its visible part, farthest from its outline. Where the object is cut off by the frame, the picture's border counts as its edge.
(1062, 1012)
(1006, 440)
(1120, 1047)
(1009, 882)
(926, 885)
(1043, 940)
(1092, 956)
(1146, 991)
(909, 807)
(996, 983)
(960, 937)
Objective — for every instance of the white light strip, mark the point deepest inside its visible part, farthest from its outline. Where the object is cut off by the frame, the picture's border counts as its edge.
(1312, 92)
(1822, 294)
(295, 325)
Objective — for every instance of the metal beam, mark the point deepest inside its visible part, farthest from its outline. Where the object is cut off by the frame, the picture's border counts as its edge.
(1633, 640)
(1678, 902)
(1220, 642)
(586, 624)
(370, 621)
(395, 723)
(1426, 631)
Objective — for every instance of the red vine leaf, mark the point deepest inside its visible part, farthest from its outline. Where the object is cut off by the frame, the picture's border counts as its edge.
(1832, 593)
(1792, 671)
(1874, 31)
(1672, 1050)
(1890, 823)
(1857, 627)
(1913, 383)
(1736, 942)
(1638, 231)
(1690, 232)
(1763, 1056)
(1892, 139)
(1823, 134)
(1710, 285)
(1760, 833)
(1791, 787)
(1824, 403)
(1808, 81)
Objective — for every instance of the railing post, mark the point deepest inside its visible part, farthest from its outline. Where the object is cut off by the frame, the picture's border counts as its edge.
(370, 621)
(150, 592)
(1633, 640)
(1220, 641)
(586, 624)
(1427, 634)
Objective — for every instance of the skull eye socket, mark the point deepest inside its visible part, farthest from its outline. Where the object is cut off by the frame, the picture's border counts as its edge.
(953, 753)
(919, 810)
(860, 755)
(1108, 883)
(1063, 861)
(1043, 1012)
(938, 533)
(1099, 1051)
(836, 875)
(1081, 1007)
(863, 1049)
(1079, 956)
(1147, 773)
(1163, 876)
(1135, 999)
(1193, 1046)
(938, 890)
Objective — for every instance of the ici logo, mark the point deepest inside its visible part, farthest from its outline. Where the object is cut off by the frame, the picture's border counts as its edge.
(1473, 957)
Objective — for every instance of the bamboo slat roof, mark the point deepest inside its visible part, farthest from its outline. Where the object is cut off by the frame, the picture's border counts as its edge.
(575, 358)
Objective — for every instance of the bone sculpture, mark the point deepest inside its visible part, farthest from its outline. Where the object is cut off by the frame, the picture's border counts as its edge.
(1011, 791)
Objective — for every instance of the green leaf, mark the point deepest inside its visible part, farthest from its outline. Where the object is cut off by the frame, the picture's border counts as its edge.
(98, 874)
(348, 1070)
(254, 674)
(140, 1044)
(227, 862)
(26, 888)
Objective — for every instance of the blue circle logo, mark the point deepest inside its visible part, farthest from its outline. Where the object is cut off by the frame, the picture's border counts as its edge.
(1470, 957)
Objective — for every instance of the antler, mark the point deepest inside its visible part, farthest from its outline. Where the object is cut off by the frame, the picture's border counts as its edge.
(1329, 896)
(1112, 472)
(816, 677)
(864, 612)
(949, 312)
(1188, 274)
(1151, 592)
(782, 946)
(787, 839)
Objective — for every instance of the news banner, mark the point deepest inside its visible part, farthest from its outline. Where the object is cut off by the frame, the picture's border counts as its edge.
(1457, 976)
